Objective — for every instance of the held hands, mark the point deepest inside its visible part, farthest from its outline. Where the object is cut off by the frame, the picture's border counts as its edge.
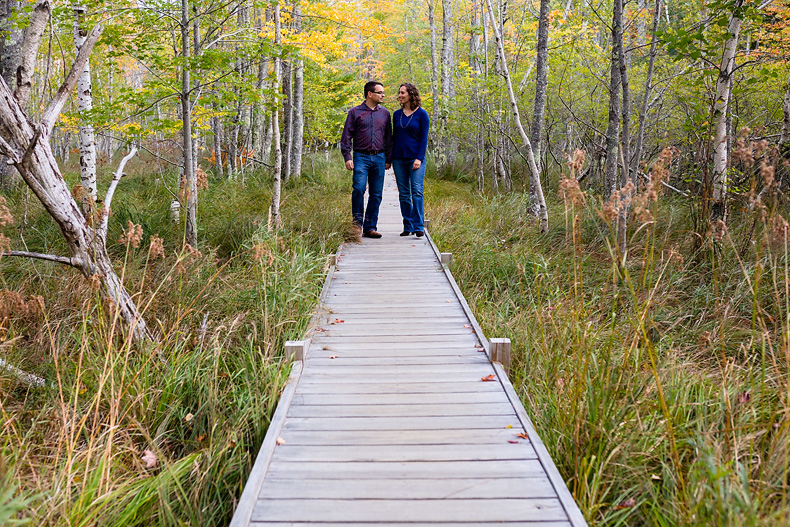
(350, 164)
(416, 164)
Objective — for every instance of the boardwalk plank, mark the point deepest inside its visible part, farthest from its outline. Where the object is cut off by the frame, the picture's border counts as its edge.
(335, 399)
(391, 388)
(401, 437)
(404, 489)
(364, 453)
(401, 410)
(406, 470)
(402, 423)
(417, 511)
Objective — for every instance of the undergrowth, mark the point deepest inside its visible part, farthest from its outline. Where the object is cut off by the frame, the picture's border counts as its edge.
(660, 387)
(165, 432)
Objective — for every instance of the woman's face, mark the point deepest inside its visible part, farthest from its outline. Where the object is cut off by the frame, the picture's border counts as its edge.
(403, 95)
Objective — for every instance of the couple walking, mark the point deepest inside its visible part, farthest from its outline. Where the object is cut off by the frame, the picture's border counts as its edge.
(372, 143)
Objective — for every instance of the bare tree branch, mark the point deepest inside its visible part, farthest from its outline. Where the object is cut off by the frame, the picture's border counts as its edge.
(56, 105)
(25, 377)
(111, 191)
(65, 260)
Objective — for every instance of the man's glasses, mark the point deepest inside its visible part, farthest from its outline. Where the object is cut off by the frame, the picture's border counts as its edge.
(379, 92)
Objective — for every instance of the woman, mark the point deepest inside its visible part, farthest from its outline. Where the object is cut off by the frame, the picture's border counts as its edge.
(410, 141)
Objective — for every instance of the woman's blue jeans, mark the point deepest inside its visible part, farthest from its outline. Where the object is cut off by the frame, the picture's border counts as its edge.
(410, 191)
(368, 172)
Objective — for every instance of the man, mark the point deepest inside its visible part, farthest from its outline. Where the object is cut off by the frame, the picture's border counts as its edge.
(368, 133)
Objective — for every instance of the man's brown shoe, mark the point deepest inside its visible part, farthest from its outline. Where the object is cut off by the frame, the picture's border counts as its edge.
(371, 234)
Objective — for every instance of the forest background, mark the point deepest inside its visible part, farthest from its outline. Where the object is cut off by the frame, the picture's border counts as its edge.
(610, 176)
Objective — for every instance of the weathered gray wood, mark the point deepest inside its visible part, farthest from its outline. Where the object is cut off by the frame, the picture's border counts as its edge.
(296, 350)
(401, 437)
(321, 424)
(388, 387)
(391, 422)
(401, 410)
(398, 453)
(403, 489)
(334, 399)
(416, 511)
(407, 470)
(411, 524)
(500, 352)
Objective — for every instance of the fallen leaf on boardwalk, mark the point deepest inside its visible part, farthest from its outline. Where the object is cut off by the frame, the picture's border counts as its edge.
(280, 441)
(655, 477)
(481, 349)
(513, 441)
(488, 378)
(626, 504)
(338, 321)
(467, 326)
(522, 436)
(320, 329)
(412, 245)
(149, 458)
(509, 426)
(479, 346)
(449, 301)
(333, 356)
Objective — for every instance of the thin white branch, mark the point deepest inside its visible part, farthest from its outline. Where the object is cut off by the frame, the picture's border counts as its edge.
(65, 260)
(25, 377)
(56, 105)
(8, 151)
(111, 191)
(681, 192)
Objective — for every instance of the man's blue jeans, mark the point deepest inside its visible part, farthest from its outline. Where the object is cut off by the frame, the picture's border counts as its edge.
(410, 192)
(368, 171)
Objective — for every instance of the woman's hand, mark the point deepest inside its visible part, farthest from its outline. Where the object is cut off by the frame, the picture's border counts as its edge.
(416, 164)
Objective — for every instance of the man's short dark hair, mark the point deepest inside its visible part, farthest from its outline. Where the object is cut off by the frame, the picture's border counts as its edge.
(371, 86)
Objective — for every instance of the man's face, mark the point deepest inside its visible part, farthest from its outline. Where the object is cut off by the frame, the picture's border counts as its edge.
(376, 95)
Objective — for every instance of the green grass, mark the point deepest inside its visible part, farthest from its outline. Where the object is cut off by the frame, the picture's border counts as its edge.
(661, 391)
(200, 397)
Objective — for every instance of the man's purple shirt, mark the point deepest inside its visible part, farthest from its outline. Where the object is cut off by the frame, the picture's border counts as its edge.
(367, 129)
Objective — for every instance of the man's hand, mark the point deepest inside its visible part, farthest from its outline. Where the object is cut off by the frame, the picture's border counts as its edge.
(387, 166)
(350, 164)
(417, 163)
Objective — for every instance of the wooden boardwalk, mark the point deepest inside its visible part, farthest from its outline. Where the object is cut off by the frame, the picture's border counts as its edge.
(387, 421)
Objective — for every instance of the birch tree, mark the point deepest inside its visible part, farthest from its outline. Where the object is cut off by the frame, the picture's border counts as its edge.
(27, 146)
(297, 138)
(720, 109)
(85, 105)
(190, 178)
(535, 174)
(274, 208)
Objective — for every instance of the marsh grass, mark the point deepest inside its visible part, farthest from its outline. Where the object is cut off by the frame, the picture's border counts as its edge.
(660, 387)
(161, 433)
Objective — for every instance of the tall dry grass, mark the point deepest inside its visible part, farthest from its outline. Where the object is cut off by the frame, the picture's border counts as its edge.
(660, 386)
(165, 432)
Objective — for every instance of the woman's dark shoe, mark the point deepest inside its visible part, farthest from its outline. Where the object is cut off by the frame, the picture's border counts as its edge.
(419, 234)
(406, 233)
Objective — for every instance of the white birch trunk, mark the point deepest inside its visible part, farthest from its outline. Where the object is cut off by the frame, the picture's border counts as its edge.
(28, 52)
(28, 147)
(85, 105)
(448, 149)
(287, 135)
(297, 139)
(544, 214)
(720, 109)
(274, 208)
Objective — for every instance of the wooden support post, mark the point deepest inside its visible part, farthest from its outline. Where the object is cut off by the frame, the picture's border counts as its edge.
(500, 352)
(426, 224)
(296, 350)
(447, 259)
(332, 260)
